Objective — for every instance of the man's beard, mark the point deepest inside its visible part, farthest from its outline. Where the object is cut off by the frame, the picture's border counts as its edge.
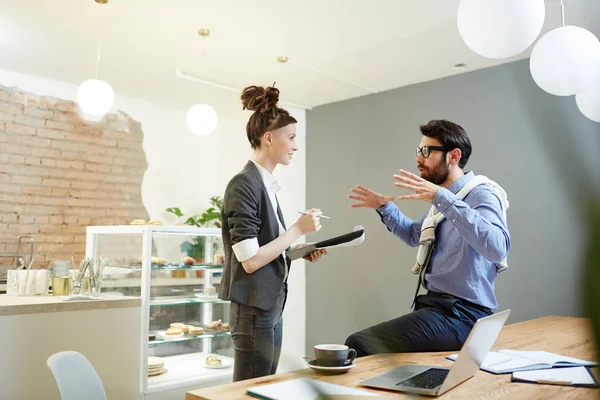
(437, 175)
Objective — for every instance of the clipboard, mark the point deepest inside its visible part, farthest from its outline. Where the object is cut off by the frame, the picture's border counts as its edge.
(335, 241)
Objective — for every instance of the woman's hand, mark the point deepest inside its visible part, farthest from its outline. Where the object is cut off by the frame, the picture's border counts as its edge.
(310, 222)
(312, 257)
(315, 255)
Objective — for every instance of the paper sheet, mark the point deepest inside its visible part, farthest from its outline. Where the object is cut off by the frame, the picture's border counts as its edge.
(557, 376)
(355, 242)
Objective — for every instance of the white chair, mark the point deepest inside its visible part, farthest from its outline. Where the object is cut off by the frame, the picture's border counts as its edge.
(75, 376)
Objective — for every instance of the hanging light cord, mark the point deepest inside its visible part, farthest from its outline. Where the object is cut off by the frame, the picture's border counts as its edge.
(98, 61)
(100, 19)
(202, 43)
(562, 12)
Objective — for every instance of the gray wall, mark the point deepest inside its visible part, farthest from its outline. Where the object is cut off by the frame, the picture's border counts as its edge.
(538, 147)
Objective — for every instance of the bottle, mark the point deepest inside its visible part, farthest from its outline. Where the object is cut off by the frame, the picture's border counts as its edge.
(60, 278)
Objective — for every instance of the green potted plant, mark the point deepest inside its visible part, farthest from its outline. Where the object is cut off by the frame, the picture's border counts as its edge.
(209, 218)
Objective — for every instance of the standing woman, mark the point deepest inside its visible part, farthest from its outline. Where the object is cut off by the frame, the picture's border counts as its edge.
(255, 238)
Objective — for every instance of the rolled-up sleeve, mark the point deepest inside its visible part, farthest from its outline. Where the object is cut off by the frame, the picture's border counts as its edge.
(246, 249)
(240, 205)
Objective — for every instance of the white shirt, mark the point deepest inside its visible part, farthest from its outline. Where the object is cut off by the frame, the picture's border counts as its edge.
(246, 249)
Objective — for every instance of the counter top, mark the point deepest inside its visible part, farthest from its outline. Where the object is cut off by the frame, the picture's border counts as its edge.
(18, 305)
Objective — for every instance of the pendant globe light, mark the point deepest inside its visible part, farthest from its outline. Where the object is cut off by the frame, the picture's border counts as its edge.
(564, 61)
(95, 96)
(500, 28)
(202, 119)
(588, 100)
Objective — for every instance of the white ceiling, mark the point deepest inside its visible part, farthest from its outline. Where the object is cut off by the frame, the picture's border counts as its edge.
(338, 49)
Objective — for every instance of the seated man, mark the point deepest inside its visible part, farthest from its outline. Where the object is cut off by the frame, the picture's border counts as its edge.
(463, 242)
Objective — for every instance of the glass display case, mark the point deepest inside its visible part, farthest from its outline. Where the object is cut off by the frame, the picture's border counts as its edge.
(185, 340)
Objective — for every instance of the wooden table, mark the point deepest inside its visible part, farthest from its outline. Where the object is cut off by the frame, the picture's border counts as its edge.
(563, 335)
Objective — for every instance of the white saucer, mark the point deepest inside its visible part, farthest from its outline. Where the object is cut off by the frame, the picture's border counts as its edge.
(224, 364)
(163, 335)
(312, 364)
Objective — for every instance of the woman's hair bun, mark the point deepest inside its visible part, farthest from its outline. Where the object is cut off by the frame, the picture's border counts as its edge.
(258, 98)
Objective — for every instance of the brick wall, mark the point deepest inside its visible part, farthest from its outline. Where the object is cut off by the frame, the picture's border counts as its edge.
(59, 174)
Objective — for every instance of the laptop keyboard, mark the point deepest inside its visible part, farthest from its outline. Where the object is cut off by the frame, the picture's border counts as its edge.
(429, 379)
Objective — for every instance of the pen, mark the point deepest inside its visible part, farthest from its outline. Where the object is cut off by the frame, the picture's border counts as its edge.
(553, 382)
(320, 216)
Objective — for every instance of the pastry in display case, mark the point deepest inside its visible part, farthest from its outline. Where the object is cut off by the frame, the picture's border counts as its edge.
(185, 341)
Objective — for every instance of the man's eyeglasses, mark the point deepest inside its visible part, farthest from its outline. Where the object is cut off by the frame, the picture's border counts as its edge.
(426, 150)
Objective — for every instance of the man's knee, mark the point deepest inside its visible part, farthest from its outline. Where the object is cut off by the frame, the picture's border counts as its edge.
(351, 340)
(354, 342)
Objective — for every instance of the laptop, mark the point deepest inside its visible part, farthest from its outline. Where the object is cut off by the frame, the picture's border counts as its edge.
(434, 381)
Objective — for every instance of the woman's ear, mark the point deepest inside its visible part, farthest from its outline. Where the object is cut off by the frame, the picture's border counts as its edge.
(268, 138)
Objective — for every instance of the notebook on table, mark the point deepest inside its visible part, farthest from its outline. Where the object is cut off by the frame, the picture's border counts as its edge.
(303, 389)
(507, 361)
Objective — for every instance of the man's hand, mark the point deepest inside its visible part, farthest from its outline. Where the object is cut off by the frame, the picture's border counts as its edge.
(315, 255)
(368, 198)
(424, 190)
